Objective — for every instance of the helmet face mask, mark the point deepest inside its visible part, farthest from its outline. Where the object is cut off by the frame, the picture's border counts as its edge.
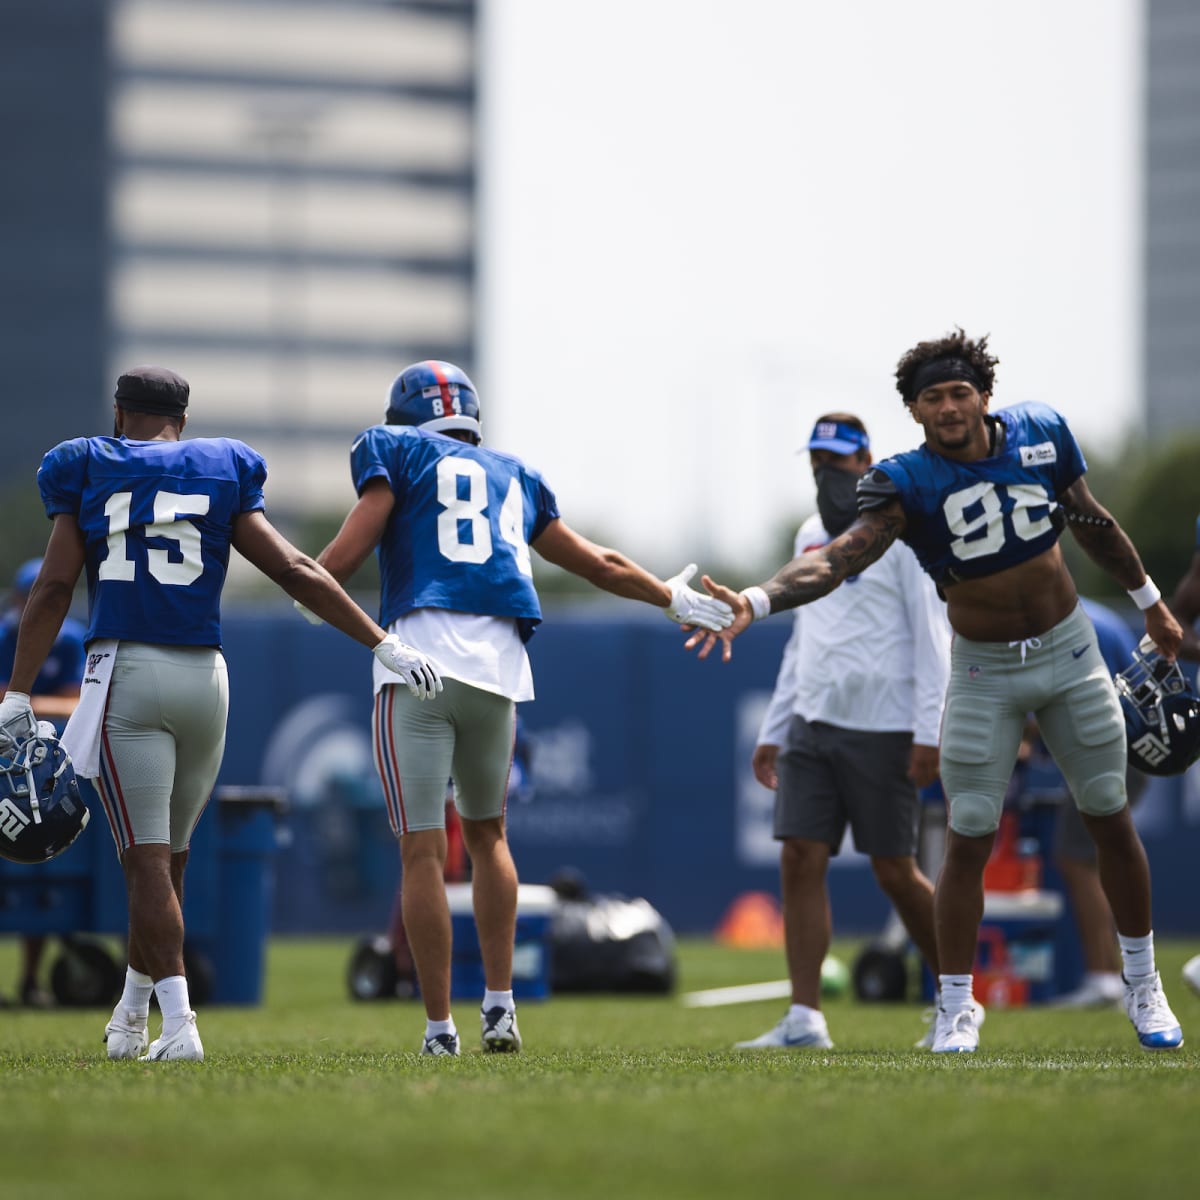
(1162, 714)
(434, 395)
(41, 809)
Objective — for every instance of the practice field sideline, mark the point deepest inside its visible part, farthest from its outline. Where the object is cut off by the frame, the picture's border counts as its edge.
(312, 1095)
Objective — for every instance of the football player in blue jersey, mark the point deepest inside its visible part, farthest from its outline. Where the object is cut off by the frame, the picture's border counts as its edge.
(982, 503)
(453, 523)
(152, 518)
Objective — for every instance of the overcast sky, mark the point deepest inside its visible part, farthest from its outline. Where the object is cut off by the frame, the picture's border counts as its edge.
(704, 223)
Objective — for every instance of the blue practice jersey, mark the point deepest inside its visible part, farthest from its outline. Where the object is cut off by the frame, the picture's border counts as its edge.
(458, 536)
(965, 520)
(157, 518)
(63, 667)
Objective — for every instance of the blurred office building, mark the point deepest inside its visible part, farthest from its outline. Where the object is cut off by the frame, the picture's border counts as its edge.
(274, 197)
(1171, 311)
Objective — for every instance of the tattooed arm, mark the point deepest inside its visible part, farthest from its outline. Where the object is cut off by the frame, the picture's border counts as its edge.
(1109, 547)
(808, 577)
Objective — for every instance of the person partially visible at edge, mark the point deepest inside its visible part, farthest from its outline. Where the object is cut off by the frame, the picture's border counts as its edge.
(1185, 603)
(53, 697)
(152, 518)
(453, 522)
(982, 503)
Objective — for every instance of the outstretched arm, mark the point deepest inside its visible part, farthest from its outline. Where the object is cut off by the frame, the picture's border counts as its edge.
(611, 571)
(1109, 547)
(807, 577)
(305, 580)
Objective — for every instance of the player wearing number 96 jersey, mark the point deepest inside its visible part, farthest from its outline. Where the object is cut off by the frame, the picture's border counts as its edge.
(982, 503)
(453, 523)
(152, 519)
(965, 520)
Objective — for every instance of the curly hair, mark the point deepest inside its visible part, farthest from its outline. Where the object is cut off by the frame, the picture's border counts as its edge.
(953, 345)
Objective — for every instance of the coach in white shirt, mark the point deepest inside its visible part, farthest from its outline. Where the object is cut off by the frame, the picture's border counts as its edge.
(851, 733)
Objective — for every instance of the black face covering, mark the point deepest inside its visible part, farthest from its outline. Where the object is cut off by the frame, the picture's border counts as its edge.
(837, 500)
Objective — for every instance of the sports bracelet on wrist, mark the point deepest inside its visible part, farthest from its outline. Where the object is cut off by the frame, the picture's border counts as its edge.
(759, 601)
(1147, 595)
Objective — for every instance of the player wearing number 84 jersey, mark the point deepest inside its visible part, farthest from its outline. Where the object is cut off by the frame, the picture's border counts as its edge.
(453, 522)
(152, 518)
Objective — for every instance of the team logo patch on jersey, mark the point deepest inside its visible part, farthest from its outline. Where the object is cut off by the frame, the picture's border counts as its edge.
(1034, 456)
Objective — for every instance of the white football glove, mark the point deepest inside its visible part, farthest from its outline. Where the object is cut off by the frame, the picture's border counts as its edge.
(17, 721)
(690, 607)
(418, 672)
(307, 613)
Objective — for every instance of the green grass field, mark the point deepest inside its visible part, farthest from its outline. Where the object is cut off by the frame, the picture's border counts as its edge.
(312, 1095)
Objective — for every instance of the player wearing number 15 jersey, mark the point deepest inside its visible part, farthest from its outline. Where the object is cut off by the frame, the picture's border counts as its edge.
(453, 522)
(982, 503)
(152, 519)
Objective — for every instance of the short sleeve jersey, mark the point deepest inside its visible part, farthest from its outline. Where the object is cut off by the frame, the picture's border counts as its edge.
(157, 519)
(965, 520)
(458, 536)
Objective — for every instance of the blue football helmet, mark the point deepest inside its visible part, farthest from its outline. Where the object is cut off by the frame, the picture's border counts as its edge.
(41, 810)
(1162, 713)
(435, 395)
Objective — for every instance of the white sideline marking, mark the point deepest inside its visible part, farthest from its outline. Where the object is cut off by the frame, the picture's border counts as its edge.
(715, 997)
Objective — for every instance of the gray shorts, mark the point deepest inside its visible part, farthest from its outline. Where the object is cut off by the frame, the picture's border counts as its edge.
(465, 734)
(831, 777)
(164, 737)
(1062, 679)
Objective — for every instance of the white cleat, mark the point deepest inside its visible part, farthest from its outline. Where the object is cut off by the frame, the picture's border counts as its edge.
(499, 1030)
(793, 1033)
(1146, 1005)
(182, 1046)
(955, 1033)
(441, 1045)
(126, 1036)
(929, 1017)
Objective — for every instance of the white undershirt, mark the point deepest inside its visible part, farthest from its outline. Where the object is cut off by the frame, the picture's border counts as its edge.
(486, 652)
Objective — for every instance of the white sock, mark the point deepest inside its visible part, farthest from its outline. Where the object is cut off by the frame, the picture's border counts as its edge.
(801, 1012)
(172, 993)
(135, 999)
(434, 1028)
(502, 1000)
(955, 992)
(1137, 955)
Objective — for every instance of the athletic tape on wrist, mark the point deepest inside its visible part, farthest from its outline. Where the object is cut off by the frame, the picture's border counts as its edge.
(1147, 595)
(759, 601)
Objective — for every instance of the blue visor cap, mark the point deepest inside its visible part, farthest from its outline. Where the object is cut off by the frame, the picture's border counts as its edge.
(841, 439)
(26, 576)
